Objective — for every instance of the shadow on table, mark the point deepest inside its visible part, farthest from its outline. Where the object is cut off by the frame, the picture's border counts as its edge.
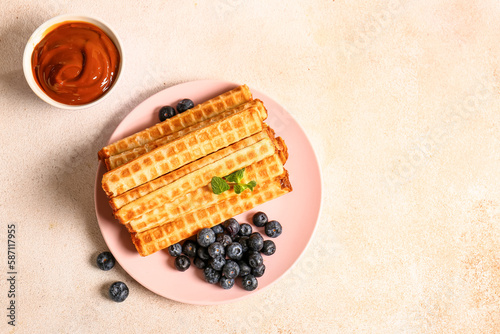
(13, 39)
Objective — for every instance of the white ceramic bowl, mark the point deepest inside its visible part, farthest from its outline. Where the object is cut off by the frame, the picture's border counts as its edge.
(38, 35)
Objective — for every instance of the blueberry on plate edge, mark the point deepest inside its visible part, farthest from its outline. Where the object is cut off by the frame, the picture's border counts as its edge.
(249, 282)
(259, 219)
(182, 262)
(184, 105)
(166, 112)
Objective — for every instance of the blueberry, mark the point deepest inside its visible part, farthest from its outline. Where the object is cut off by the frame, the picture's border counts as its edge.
(245, 229)
(212, 276)
(226, 283)
(269, 247)
(199, 263)
(189, 248)
(234, 251)
(255, 260)
(245, 269)
(218, 229)
(243, 241)
(202, 253)
(255, 241)
(166, 112)
(273, 229)
(249, 282)
(224, 239)
(236, 238)
(259, 271)
(184, 105)
(175, 250)
(216, 249)
(231, 226)
(217, 262)
(205, 237)
(118, 291)
(259, 219)
(182, 262)
(105, 261)
(231, 269)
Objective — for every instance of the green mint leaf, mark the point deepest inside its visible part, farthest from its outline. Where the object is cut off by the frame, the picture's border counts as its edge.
(239, 188)
(219, 185)
(251, 185)
(236, 177)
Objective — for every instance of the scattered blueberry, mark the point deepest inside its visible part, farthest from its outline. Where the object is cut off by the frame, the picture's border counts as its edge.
(166, 112)
(184, 105)
(269, 247)
(232, 227)
(118, 291)
(182, 262)
(202, 253)
(217, 262)
(212, 276)
(273, 229)
(245, 229)
(255, 260)
(189, 248)
(234, 251)
(243, 241)
(175, 249)
(245, 269)
(216, 249)
(226, 283)
(105, 261)
(205, 237)
(259, 219)
(218, 229)
(249, 282)
(224, 239)
(231, 269)
(259, 271)
(255, 241)
(199, 263)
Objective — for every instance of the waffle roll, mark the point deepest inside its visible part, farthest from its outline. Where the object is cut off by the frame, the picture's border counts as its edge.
(183, 150)
(157, 238)
(199, 178)
(133, 194)
(192, 116)
(122, 158)
(262, 171)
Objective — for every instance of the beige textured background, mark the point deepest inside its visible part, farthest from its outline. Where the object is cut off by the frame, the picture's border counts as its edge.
(400, 99)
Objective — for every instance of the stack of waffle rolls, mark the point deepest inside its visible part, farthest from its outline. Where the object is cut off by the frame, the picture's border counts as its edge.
(158, 180)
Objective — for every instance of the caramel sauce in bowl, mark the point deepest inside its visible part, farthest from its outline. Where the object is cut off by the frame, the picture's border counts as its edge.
(73, 62)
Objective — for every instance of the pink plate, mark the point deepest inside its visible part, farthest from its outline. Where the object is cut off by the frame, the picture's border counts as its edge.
(297, 211)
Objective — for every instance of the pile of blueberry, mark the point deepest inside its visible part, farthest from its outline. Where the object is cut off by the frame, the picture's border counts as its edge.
(118, 291)
(167, 112)
(229, 250)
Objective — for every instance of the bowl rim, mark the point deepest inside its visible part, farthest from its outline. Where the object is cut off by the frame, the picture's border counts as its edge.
(42, 30)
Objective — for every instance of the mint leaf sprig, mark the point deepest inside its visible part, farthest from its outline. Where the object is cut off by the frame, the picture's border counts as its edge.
(221, 184)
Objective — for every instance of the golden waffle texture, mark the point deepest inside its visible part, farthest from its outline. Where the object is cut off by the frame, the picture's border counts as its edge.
(122, 158)
(133, 194)
(261, 172)
(192, 116)
(182, 151)
(199, 178)
(161, 237)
